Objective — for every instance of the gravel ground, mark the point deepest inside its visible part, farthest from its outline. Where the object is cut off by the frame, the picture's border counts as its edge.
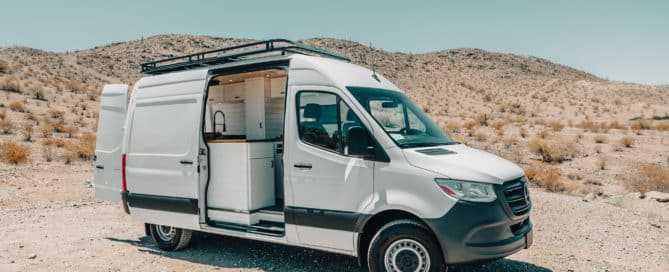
(54, 224)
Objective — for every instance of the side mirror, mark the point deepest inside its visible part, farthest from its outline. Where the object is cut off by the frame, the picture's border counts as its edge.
(359, 142)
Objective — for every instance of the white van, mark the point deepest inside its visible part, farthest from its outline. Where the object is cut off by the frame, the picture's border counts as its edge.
(281, 142)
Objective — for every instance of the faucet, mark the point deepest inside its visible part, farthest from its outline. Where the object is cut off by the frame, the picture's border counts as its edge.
(217, 124)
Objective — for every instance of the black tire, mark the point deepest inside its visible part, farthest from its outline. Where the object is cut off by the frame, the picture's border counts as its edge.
(407, 237)
(170, 238)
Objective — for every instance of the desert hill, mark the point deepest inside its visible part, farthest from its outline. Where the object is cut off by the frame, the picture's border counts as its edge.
(520, 107)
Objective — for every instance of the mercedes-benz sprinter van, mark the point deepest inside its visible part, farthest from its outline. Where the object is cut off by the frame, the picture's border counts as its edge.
(281, 142)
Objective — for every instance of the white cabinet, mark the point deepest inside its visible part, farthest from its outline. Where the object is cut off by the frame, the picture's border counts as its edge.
(242, 176)
(278, 87)
(234, 92)
(255, 108)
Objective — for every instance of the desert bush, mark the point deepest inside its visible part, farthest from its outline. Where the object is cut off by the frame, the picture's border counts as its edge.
(57, 114)
(69, 130)
(55, 142)
(75, 87)
(49, 153)
(4, 67)
(11, 152)
(553, 149)
(548, 177)
(482, 119)
(523, 132)
(616, 125)
(648, 177)
(556, 126)
(10, 84)
(3, 114)
(6, 126)
(627, 141)
(480, 136)
(664, 126)
(27, 132)
(642, 124)
(587, 125)
(601, 163)
(498, 125)
(83, 147)
(16, 106)
(600, 139)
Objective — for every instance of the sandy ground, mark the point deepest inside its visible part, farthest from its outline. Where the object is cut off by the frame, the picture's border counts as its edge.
(51, 222)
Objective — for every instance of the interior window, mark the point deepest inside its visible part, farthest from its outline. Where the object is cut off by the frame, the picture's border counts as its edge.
(325, 120)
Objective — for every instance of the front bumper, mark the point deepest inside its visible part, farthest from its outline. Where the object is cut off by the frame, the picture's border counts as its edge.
(474, 232)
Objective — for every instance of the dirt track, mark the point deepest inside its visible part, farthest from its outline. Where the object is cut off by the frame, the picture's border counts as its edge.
(54, 224)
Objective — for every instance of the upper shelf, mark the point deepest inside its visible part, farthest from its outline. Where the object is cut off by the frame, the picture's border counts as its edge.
(232, 54)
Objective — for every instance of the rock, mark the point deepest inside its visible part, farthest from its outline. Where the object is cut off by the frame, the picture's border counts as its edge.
(589, 197)
(659, 196)
(32, 256)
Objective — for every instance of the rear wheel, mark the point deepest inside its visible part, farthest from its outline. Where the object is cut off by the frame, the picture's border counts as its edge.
(404, 245)
(170, 238)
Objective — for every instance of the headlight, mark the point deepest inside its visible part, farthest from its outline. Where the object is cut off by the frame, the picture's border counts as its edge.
(467, 190)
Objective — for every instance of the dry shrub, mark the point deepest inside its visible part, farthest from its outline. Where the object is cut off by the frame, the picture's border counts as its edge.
(27, 132)
(616, 125)
(6, 126)
(10, 84)
(83, 147)
(627, 141)
(600, 139)
(498, 125)
(56, 142)
(553, 149)
(642, 124)
(556, 126)
(587, 125)
(482, 119)
(69, 130)
(3, 114)
(11, 152)
(548, 177)
(648, 177)
(601, 163)
(470, 125)
(480, 136)
(4, 67)
(16, 106)
(76, 87)
(523, 132)
(664, 125)
(49, 153)
(57, 114)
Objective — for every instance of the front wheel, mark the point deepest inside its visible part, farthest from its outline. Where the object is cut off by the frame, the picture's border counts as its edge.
(170, 238)
(405, 245)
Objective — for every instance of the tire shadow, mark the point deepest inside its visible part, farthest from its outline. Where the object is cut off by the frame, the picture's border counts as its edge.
(237, 253)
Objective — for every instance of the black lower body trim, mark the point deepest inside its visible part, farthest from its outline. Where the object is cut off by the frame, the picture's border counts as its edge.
(163, 203)
(318, 218)
(124, 201)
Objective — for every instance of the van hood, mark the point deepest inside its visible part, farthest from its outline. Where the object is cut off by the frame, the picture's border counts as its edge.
(463, 163)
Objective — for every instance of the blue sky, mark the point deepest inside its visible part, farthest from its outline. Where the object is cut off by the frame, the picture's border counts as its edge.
(618, 40)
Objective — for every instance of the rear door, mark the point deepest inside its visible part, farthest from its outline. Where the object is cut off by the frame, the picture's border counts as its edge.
(107, 160)
(162, 149)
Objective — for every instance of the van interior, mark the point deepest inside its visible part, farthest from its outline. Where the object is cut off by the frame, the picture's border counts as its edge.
(244, 118)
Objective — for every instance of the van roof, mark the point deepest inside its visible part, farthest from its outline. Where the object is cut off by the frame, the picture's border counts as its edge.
(326, 68)
(234, 54)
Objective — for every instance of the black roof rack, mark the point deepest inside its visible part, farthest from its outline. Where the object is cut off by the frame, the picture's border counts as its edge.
(224, 55)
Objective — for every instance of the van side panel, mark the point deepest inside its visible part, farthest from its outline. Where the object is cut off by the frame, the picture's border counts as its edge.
(161, 146)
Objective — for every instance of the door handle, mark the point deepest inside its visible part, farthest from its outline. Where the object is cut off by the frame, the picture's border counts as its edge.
(186, 162)
(100, 167)
(303, 165)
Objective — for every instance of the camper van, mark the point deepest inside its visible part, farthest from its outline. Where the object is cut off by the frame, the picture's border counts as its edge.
(280, 142)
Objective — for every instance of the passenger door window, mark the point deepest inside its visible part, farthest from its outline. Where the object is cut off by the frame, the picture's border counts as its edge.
(324, 120)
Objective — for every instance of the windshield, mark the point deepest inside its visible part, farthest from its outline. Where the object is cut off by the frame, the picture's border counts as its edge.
(402, 120)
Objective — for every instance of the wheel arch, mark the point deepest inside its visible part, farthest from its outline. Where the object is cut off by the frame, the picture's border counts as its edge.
(368, 226)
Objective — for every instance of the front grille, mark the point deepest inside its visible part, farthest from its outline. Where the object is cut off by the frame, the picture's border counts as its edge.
(517, 197)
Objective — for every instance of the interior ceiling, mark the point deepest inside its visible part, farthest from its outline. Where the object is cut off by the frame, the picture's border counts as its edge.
(235, 78)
